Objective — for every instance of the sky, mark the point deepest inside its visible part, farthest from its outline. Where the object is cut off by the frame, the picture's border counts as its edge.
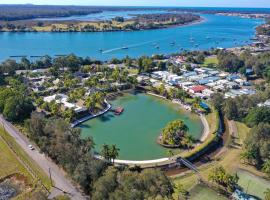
(193, 3)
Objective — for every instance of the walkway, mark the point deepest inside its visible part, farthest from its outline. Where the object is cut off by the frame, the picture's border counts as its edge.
(79, 121)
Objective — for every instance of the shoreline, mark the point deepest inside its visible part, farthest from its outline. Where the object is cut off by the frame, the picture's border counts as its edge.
(201, 20)
(205, 126)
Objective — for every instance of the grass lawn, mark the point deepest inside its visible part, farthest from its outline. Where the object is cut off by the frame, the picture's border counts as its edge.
(202, 192)
(252, 184)
(9, 164)
(230, 160)
(212, 60)
(38, 171)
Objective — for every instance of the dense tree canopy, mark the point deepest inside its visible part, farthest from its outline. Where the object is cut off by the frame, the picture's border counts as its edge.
(122, 185)
(257, 145)
(63, 144)
(14, 103)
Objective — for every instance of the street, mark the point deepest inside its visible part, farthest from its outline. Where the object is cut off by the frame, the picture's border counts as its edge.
(57, 175)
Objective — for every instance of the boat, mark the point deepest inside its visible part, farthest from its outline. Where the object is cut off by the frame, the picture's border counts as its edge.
(118, 111)
(124, 48)
(157, 47)
(172, 43)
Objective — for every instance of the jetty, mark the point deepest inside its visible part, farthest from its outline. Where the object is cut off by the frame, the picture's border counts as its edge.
(84, 119)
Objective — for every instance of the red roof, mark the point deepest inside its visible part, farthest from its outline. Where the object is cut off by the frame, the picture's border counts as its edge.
(198, 88)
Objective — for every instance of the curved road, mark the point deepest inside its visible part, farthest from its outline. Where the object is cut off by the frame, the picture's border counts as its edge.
(61, 182)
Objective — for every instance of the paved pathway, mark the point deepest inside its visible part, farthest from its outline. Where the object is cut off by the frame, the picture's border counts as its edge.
(58, 175)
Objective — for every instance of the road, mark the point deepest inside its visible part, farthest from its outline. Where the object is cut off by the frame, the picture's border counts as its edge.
(57, 175)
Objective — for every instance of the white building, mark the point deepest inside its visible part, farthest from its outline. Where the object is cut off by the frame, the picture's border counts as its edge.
(63, 99)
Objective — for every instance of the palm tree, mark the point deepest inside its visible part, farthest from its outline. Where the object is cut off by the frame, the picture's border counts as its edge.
(114, 152)
(105, 152)
(90, 103)
(88, 145)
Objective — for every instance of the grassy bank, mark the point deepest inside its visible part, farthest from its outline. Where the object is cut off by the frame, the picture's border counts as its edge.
(36, 170)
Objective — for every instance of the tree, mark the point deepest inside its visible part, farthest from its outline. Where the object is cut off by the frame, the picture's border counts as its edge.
(25, 63)
(105, 152)
(230, 109)
(222, 178)
(179, 188)
(258, 115)
(69, 115)
(90, 103)
(9, 66)
(267, 194)
(117, 184)
(257, 144)
(114, 152)
(174, 133)
(217, 100)
(266, 167)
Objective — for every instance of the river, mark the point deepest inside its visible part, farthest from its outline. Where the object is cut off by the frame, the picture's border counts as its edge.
(214, 31)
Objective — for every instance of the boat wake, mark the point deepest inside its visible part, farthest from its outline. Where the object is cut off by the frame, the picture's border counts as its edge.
(132, 46)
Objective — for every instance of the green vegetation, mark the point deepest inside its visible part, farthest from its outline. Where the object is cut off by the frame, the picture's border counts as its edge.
(63, 144)
(202, 192)
(252, 184)
(210, 61)
(9, 163)
(175, 134)
(149, 184)
(259, 63)
(110, 153)
(138, 22)
(256, 146)
(227, 181)
(14, 104)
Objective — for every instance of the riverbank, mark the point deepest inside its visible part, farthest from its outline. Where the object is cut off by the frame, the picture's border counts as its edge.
(137, 23)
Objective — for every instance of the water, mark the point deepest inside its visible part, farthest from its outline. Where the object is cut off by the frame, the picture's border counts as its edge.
(224, 32)
(135, 131)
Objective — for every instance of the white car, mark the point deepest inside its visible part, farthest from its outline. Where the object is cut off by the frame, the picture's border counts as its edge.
(31, 147)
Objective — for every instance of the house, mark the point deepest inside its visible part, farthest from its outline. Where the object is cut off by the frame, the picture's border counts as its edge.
(185, 85)
(160, 75)
(188, 74)
(232, 77)
(173, 79)
(207, 92)
(197, 89)
(207, 80)
(63, 99)
(266, 103)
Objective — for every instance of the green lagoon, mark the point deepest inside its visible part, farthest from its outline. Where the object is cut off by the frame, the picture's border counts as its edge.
(136, 130)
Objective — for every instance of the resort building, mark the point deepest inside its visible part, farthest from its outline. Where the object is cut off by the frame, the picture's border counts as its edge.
(63, 100)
